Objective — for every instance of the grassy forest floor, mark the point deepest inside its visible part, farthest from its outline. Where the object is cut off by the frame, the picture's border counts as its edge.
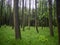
(29, 37)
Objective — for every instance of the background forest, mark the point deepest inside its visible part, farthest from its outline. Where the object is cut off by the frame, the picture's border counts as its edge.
(28, 22)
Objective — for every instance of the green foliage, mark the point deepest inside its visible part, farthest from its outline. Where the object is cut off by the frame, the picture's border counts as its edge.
(43, 38)
(29, 37)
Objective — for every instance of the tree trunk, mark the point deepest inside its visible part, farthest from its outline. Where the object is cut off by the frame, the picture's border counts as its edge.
(58, 17)
(1, 12)
(42, 13)
(36, 21)
(23, 23)
(16, 20)
(29, 14)
(50, 18)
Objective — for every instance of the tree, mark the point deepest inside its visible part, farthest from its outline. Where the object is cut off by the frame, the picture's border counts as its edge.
(23, 23)
(36, 18)
(50, 18)
(29, 14)
(9, 14)
(16, 20)
(43, 12)
(58, 17)
(1, 13)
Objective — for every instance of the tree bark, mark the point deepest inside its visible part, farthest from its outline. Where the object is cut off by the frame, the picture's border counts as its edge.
(58, 17)
(23, 23)
(16, 21)
(1, 12)
(29, 14)
(50, 18)
(36, 21)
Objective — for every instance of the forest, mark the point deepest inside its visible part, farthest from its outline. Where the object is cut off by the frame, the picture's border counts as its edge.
(29, 22)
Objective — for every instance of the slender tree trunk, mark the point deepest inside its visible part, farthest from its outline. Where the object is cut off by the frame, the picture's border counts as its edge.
(46, 14)
(42, 13)
(50, 18)
(54, 9)
(1, 11)
(10, 16)
(36, 21)
(20, 13)
(16, 20)
(23, 14)
(29, 14)
(58, 17)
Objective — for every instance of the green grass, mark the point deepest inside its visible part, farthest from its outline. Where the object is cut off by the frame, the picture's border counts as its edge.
(29, 37)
